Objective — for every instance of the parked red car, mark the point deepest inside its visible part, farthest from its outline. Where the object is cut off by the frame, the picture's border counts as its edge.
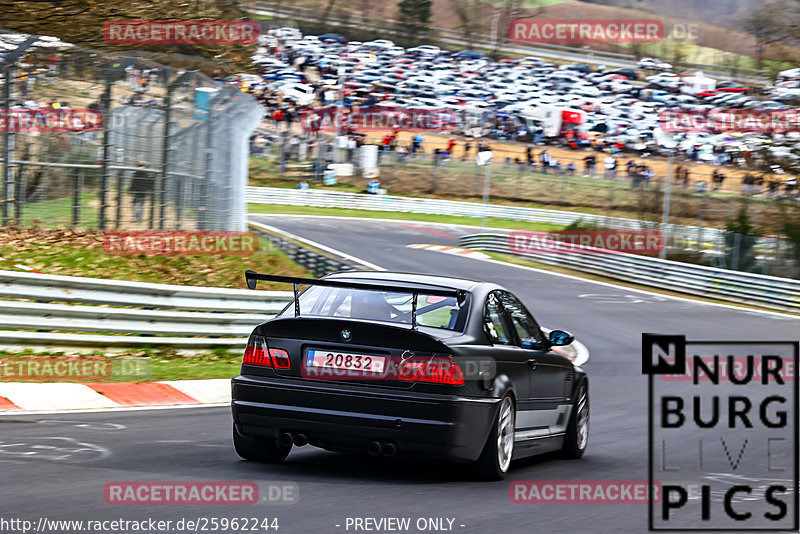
(732, 87)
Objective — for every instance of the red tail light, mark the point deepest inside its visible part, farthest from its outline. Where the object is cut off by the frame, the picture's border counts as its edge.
(259, 353)
(280, 358)
(256, 352)
(438, 369)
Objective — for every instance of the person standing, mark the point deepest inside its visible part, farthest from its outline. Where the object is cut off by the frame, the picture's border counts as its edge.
(544, 157)
(141, 187)
(589, 163)
(417, 143)
(611, 167)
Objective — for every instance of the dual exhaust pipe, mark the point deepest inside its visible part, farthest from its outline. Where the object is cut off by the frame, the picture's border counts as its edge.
(375, 448)
(288, 438)
(382, 448)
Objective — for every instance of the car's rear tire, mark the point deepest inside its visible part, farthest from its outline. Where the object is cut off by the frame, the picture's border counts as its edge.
(577, 435)
(495, 459)
(259, 450)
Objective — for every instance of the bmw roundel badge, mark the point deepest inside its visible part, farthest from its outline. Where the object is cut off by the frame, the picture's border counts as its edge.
(346, 335)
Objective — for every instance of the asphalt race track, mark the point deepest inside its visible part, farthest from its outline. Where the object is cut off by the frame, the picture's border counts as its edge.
(46, 475)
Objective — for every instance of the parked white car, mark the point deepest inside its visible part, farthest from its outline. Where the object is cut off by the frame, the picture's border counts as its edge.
(300, 93)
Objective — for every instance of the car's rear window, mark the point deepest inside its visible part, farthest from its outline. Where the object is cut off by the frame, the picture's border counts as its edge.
(385, 306)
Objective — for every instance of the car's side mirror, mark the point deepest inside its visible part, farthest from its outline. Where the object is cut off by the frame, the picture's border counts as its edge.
(559, 338)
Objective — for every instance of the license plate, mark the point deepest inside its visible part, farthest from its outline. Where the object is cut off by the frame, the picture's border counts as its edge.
(346, 361)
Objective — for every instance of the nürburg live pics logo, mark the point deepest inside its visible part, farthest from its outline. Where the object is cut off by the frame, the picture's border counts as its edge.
(722, 434)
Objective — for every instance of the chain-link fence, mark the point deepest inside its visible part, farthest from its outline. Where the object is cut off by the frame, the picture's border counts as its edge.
(171, 151)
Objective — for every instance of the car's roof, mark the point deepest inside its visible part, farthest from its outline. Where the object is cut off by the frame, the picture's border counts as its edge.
(409, 278)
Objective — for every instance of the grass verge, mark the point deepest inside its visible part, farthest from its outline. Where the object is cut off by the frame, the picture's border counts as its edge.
(407, 217)
(81, 253)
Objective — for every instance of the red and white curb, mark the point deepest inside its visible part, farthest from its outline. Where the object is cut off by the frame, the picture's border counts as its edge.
(20, 266)
(451, 250)
(17, 397)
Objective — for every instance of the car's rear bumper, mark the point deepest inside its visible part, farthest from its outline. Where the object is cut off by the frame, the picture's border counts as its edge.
(344, 416)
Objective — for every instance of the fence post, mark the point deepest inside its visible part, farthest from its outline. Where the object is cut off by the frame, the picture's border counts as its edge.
(162, 191)
(156, 187)
(6, 144)
(487, 183)
(665, 209)
(77, 185)
(19, 193)
(202, 215)
(737, 240)
(120, 180)
(104, 172)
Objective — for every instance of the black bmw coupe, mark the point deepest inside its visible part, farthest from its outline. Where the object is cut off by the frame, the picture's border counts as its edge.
(408, 364)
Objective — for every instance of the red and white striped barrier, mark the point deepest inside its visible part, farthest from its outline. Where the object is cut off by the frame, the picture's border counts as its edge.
(36, 397)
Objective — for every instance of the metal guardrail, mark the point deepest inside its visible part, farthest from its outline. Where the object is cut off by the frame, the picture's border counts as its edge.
(449, 36)
(51, 311)
(769, 292)
(340, 199)
(54, 311)
(318, 263)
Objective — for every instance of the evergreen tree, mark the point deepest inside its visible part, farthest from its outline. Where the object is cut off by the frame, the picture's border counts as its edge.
(740, 240)
(416, 14)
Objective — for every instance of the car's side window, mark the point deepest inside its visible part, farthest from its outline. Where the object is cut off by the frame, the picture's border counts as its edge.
(495, 323)
(521, 320)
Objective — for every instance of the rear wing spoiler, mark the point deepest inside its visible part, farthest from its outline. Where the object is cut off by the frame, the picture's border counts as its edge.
(252, 278)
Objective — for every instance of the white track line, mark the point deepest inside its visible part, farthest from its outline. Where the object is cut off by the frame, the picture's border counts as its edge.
(319, 246)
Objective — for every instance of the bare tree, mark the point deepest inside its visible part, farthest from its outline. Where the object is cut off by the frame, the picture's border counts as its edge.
(468, 13)
(328, 8)
(773, 22)
(81, 21)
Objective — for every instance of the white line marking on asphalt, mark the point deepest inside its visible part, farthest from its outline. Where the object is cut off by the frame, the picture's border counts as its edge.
(319, 246)
(53, 448)
(88, 426)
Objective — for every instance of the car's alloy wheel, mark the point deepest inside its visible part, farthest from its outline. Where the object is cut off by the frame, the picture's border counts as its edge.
(505, 434)
(577, 436)
(495, 459)
(583, 418)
